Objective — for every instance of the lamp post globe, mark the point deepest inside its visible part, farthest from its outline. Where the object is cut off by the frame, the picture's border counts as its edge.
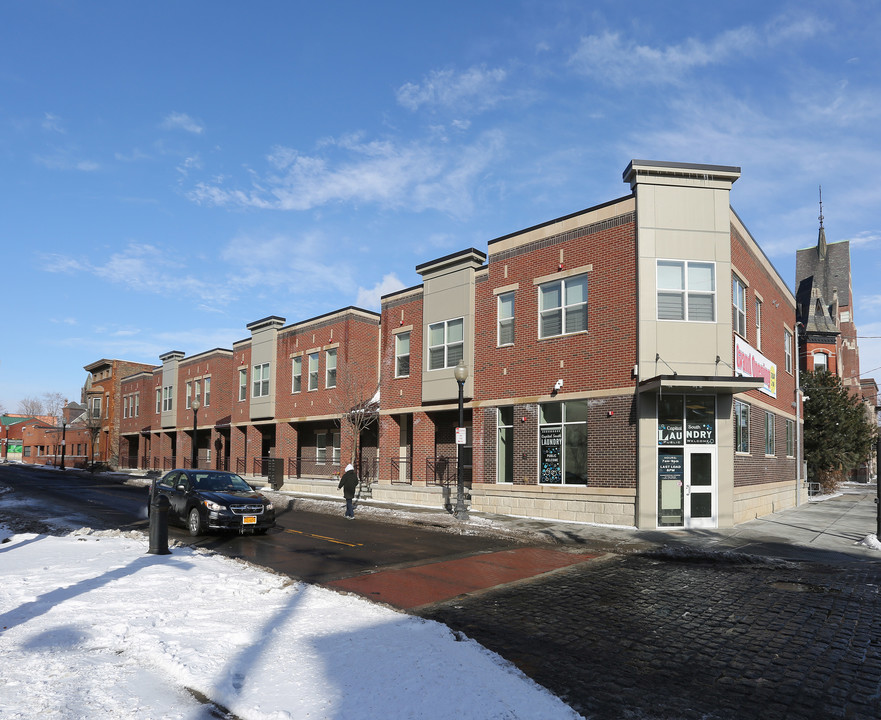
(461, 374)
(195, 405)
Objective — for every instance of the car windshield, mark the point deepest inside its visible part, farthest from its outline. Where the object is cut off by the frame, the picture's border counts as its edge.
(220, 482)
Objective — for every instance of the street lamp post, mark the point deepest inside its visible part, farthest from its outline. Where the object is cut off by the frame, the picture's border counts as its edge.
(196, 404)
(63, 443)
(461, 374)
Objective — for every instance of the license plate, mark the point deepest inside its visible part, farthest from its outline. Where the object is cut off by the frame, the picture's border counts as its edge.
(249, 520)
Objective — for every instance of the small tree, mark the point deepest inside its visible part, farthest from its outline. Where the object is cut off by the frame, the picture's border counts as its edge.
(356, 401)
(53, 403)
(838, 435)
(31, 406)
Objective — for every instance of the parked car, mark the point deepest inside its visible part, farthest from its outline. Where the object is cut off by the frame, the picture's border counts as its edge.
(203, 500)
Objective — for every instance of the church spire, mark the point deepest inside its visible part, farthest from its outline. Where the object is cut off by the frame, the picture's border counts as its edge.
(821, 240)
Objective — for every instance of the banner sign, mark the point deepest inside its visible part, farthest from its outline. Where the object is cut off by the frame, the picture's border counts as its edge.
(750, 362)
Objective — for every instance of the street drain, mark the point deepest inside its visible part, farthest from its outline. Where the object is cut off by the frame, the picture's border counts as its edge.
(800, 587)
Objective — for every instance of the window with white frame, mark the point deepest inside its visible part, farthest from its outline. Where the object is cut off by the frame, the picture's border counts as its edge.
(686, 290)
(758, 324)
(167, 398)
(446, 343)
(243, 384)
(506, 319)
(260, 381)
(790, 438)
(402, 354)
(320, 448)
(505, 457)
(313, 371)
(137, 399)
(563, 443)
(821, 362)
(787, 350)
(189, 396)
(335, 448)
(206, 401)
(769, 434)
(158, 400)
(738, 301)
(741, 426)
(107, 405)
(125, 400)
(562, 307)
(330, 368)
(296, 374)
(197, 390)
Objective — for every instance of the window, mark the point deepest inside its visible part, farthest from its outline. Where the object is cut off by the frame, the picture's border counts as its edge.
(686, 291)
(402, 354)
(167, 398)
(296, 374)
(562, 307)
(197, 390)
(243, 384)
(506, 318)
(330, 368)
(741, 427)
(137, 399)
(563, 443)
(758, 324)
(107, 405)
(313, 371)
(787, 350)
(446, 343)
(125, 406)
(769, 433)
(790, 438)
(335, 439)
(207, 398)
(738, 299)
(821, 362)
(320, 448)
(189, 395)
(260, 379)
(505, 460)
(158, 400)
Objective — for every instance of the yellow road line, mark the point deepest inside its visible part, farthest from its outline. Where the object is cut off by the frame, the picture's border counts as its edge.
(322, 537)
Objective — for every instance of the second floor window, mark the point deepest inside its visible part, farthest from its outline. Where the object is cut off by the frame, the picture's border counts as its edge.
(787, 350)
(243, 384)
(158, 400)
(738, 300)
(330, 369)
(207, 399)
(446, 344)
(402, 354)
(506, 319)
(313, 371)
(167, 398)
(260, 380)
(758, 324)
(562, 307)
(686, 291)
(296, 374)
(189, 396)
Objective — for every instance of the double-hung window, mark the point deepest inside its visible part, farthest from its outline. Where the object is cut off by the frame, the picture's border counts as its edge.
(506, 318)
(446, 344)
(741, 427)
(686, 291)
(207, 398)
(297, 374)
(313, 371)
(758, 324)
(321, 448)
(260, 381)
(243, 384)
(137, 401)
(330, 368)
(402, 354)
(167, 398)
(738, 300)
(787, 350)
(562, 306)
(189, 396)
(158, 400)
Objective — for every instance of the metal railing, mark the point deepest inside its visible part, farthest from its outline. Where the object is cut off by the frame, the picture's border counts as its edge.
(401, 471)
(441, 471)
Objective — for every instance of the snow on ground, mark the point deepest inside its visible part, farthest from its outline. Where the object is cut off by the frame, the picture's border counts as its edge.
(93, 626)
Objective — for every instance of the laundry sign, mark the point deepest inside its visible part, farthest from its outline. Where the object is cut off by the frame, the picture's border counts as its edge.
(749, 362)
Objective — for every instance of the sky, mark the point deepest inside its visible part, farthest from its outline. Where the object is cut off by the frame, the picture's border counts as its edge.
(261, 645)
(174, 171)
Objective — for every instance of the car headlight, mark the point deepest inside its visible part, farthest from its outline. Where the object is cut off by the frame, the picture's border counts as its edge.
(213, 506)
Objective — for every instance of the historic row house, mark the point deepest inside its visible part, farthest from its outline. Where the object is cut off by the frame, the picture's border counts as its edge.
(631, 364)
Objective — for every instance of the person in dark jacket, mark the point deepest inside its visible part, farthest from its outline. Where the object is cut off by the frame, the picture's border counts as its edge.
(349, 482)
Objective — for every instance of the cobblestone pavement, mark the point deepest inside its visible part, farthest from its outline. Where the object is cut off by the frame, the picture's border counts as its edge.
(666, 637)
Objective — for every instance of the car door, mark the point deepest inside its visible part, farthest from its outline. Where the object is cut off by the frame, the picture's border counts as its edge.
(177, 498)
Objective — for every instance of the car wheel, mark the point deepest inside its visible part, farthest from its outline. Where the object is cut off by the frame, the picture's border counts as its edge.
(194, 522)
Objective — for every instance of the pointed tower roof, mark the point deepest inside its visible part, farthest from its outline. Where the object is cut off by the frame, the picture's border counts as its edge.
(821, 239)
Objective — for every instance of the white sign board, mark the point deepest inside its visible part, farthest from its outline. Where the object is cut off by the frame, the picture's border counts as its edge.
(461, 435)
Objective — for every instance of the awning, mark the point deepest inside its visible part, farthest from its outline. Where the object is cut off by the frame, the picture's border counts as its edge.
(701, 383)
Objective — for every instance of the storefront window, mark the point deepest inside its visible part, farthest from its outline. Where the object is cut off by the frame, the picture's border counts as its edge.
(563, 443)
(693, 414)
(506, 445)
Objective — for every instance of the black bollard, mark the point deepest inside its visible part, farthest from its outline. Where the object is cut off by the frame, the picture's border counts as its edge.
(159, 525)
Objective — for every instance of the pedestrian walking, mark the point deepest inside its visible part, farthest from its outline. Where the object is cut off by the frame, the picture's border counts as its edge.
(348, 482)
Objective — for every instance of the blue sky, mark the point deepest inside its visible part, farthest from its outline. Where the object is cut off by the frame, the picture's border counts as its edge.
(172, 171)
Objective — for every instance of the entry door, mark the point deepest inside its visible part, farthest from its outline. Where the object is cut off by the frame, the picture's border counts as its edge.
(700, 488)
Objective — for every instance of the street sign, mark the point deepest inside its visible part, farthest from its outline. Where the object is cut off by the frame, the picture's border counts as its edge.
(461, 435)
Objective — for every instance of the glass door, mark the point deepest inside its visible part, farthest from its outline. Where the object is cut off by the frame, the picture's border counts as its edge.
(700, 488)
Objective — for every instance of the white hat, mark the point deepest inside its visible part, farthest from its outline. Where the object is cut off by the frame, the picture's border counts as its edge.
(349, 467)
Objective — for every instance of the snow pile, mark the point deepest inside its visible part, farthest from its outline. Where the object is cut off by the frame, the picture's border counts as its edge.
(94, 627)
(871, 542)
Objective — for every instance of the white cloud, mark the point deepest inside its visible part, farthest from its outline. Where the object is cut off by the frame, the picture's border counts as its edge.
(414, 176)
(63, 160)
(52, 123)
(866, 237)
(477, 89)
(182, 121)
(369, 298)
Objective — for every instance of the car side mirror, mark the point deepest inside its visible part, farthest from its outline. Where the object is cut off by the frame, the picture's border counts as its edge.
(182, 488)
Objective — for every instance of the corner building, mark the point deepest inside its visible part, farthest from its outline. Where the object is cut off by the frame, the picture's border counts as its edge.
(630, 364)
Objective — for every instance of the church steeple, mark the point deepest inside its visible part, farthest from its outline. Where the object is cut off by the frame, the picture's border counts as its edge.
(821, 240)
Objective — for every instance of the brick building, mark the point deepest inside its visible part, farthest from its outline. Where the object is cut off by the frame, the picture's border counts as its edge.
(629, 364)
